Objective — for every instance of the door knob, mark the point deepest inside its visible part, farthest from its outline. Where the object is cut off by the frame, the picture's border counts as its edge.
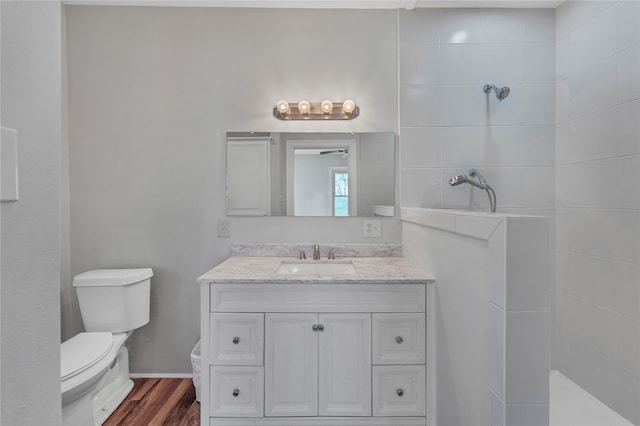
(236, 392)
(236, 340)
(399, 340)
(400, 392)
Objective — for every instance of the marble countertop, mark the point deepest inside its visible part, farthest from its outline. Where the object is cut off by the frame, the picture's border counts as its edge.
(368, 270)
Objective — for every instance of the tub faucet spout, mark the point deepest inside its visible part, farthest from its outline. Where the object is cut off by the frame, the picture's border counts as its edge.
(316, 252)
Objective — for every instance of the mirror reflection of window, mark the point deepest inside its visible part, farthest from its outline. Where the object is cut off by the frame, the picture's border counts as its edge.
(340, 193)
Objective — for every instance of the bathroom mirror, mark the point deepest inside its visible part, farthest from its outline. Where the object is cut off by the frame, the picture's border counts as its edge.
(310, 174)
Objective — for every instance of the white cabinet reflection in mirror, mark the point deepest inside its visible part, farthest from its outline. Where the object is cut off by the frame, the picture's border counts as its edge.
(309, 174)
(248, 186)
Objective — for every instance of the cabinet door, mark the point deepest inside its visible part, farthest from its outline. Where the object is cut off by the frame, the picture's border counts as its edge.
(291, 365)
(345, 365)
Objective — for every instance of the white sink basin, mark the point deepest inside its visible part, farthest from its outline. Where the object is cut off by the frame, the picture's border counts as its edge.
(316, 268)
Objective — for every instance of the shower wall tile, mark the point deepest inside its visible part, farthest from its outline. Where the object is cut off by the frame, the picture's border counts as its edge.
(562, 58)
(562, 21)
(420, 106)
(538, 63)
(628, 28)
(629, 74)
(421, 147)
(536, 106)
(593, 88)
(597, 198)
(539, 26)
(460, 26)
(503, 64)
(524, 358)
(594, 41)
(587, 185)
(628, 235)
(461, 64)
(502, 25)
(582, 11)
(420, 187)
(504, 47)
(628, 182)
(539, 146)
(586, 136)
(420, 26)
(421, 66)
(629, 128)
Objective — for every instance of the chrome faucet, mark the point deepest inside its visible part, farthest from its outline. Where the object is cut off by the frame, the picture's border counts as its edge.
(316, 252)
(301, 254)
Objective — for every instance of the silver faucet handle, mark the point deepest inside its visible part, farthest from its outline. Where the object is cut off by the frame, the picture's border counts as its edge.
(332, 253)
(301, 253)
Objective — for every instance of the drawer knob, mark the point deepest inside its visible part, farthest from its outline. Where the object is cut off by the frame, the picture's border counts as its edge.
(236, 392)
(399, 339)
(236, 340)
(400, 392)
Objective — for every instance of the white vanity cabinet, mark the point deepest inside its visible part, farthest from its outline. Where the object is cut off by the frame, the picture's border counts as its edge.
(315, 354)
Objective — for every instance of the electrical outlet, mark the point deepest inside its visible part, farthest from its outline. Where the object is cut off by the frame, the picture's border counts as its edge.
(372, 228)
(224, 228)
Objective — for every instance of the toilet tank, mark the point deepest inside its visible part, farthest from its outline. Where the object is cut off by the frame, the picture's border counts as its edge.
(114, 300)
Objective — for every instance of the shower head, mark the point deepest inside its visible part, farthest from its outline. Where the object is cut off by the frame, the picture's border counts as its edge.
(460, 179)
(501, 93)
(457, 180)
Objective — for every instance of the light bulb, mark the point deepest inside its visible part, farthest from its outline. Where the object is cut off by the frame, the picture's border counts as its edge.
(282, 107)
(348, 106)
(326, 106)
(304, 107)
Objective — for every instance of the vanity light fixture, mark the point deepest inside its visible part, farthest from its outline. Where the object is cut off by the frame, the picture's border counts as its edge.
(325, 110)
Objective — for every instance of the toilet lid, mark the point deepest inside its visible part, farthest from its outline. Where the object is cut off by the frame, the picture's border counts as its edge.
(82, 351)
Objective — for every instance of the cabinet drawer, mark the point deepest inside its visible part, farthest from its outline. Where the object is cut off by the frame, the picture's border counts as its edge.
(398, 339)
(399, 390)
(236, 392)
(236, 339)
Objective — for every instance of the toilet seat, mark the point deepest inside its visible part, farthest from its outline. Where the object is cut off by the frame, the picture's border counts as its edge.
(83, 351)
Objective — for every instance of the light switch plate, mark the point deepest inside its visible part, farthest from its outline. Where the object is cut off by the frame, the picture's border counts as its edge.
(372, 228)
(224, 228)
(9, 165)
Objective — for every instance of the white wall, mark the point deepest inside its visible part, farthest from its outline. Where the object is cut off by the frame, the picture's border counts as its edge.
(598, 200)
(312, 172)
(152, 92)
(30, 310)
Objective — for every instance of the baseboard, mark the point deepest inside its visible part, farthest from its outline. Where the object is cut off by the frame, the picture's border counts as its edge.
(160, 376)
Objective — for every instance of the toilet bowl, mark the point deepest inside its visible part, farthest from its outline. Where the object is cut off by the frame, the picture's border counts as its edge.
(94, 365)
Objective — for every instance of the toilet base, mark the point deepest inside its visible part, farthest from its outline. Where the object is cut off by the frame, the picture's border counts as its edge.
(110, 388)
(115, 389)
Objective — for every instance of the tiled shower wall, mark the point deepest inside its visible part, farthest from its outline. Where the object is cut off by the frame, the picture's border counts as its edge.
(447, 123)
(598, 200)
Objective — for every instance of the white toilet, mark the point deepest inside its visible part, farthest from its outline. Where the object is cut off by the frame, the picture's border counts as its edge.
(94, 366)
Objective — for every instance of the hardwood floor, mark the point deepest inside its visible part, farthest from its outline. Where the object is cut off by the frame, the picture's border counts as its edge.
(169, 402)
